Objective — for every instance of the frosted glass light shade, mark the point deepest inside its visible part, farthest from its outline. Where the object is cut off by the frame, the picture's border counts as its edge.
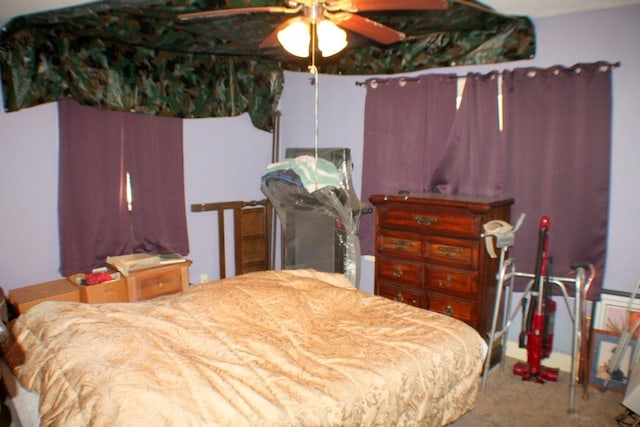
(295, 38)
(331, 38)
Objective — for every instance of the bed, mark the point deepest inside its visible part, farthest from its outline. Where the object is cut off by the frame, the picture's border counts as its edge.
(293, 347)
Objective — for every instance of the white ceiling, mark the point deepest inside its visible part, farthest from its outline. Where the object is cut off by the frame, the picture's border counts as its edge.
(532, 8)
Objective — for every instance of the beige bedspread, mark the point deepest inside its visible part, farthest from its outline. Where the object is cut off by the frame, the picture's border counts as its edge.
(279, 348)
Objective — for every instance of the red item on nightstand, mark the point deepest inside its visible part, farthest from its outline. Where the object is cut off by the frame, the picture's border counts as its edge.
(96, 278)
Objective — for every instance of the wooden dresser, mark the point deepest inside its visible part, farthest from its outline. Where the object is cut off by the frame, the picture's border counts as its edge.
(430, 253)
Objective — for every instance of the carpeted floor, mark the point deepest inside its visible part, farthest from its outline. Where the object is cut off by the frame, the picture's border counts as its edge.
(510, 402)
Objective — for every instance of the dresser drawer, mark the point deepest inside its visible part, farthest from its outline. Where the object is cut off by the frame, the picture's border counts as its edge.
(400, 244)
(431, 220)
(452, 282)
(461, 310)
(462, 253)
(412, 297)
(404, 272)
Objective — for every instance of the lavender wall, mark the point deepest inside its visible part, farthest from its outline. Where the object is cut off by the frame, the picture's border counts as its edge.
(224, 161)
(29, 192)
(224, 158)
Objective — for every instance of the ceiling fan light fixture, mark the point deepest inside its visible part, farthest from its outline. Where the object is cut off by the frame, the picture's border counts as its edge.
(295, 38)
(331, 38)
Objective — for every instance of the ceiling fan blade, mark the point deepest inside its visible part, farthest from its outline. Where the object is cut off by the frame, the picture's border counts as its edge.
(238, 11)
(368, 28)
(272, 39)
(373, 5)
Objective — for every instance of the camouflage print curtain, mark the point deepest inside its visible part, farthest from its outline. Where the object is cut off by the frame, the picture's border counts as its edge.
(138, 55)
(39, 67)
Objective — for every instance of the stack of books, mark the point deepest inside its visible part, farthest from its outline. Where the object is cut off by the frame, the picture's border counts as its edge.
(132, 262)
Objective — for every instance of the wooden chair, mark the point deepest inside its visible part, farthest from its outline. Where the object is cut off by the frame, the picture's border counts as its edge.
(252, 234)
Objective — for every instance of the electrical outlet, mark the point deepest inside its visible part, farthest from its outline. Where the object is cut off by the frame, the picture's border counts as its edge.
(204, 277)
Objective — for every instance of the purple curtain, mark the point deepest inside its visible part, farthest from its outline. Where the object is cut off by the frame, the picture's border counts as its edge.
(97, 148)
(407, 121)
(558, 125)
(474, 160)
(159, 222)
(553, 156)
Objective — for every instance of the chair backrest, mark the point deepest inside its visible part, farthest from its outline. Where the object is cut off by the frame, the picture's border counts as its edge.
(252, 233)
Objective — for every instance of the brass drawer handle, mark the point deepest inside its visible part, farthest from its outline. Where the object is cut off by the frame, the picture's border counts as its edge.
(425, 220)
(399, 297)
(449, 250)
(401, 244)
(448, 282)
(397, 273)
(448, 310)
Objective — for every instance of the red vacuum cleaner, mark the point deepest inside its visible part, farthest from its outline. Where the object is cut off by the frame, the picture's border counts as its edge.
(538, 327)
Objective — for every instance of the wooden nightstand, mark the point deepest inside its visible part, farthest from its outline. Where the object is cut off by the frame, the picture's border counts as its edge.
(56, 290)
(158, 280)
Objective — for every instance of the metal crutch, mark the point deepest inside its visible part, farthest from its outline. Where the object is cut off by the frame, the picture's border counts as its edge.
(505, 238)
(580, 329)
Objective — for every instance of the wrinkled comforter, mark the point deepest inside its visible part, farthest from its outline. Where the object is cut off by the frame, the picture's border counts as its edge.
(295, 348)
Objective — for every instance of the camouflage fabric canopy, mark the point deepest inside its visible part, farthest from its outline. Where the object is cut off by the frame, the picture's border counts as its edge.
(138, 56)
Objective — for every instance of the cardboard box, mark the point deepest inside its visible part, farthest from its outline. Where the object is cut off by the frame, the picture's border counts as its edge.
(57, 290)
(111, 291)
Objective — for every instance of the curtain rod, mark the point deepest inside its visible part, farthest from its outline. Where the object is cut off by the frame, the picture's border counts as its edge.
(404, 80)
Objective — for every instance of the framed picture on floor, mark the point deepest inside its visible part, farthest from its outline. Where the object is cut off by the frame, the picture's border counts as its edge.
(614, 313)
(603, 348)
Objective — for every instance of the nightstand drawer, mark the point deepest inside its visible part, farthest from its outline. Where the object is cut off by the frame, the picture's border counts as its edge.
(407, 273)
(157, 281)
(451, 281)
(436, 220)
(158, 284)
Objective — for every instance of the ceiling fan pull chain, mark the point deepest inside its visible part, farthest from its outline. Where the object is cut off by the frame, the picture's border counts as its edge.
(314, 70)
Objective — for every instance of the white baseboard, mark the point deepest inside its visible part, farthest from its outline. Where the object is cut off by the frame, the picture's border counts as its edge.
(555, 360)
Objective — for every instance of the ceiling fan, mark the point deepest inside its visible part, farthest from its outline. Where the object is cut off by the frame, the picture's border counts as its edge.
(326, 20)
